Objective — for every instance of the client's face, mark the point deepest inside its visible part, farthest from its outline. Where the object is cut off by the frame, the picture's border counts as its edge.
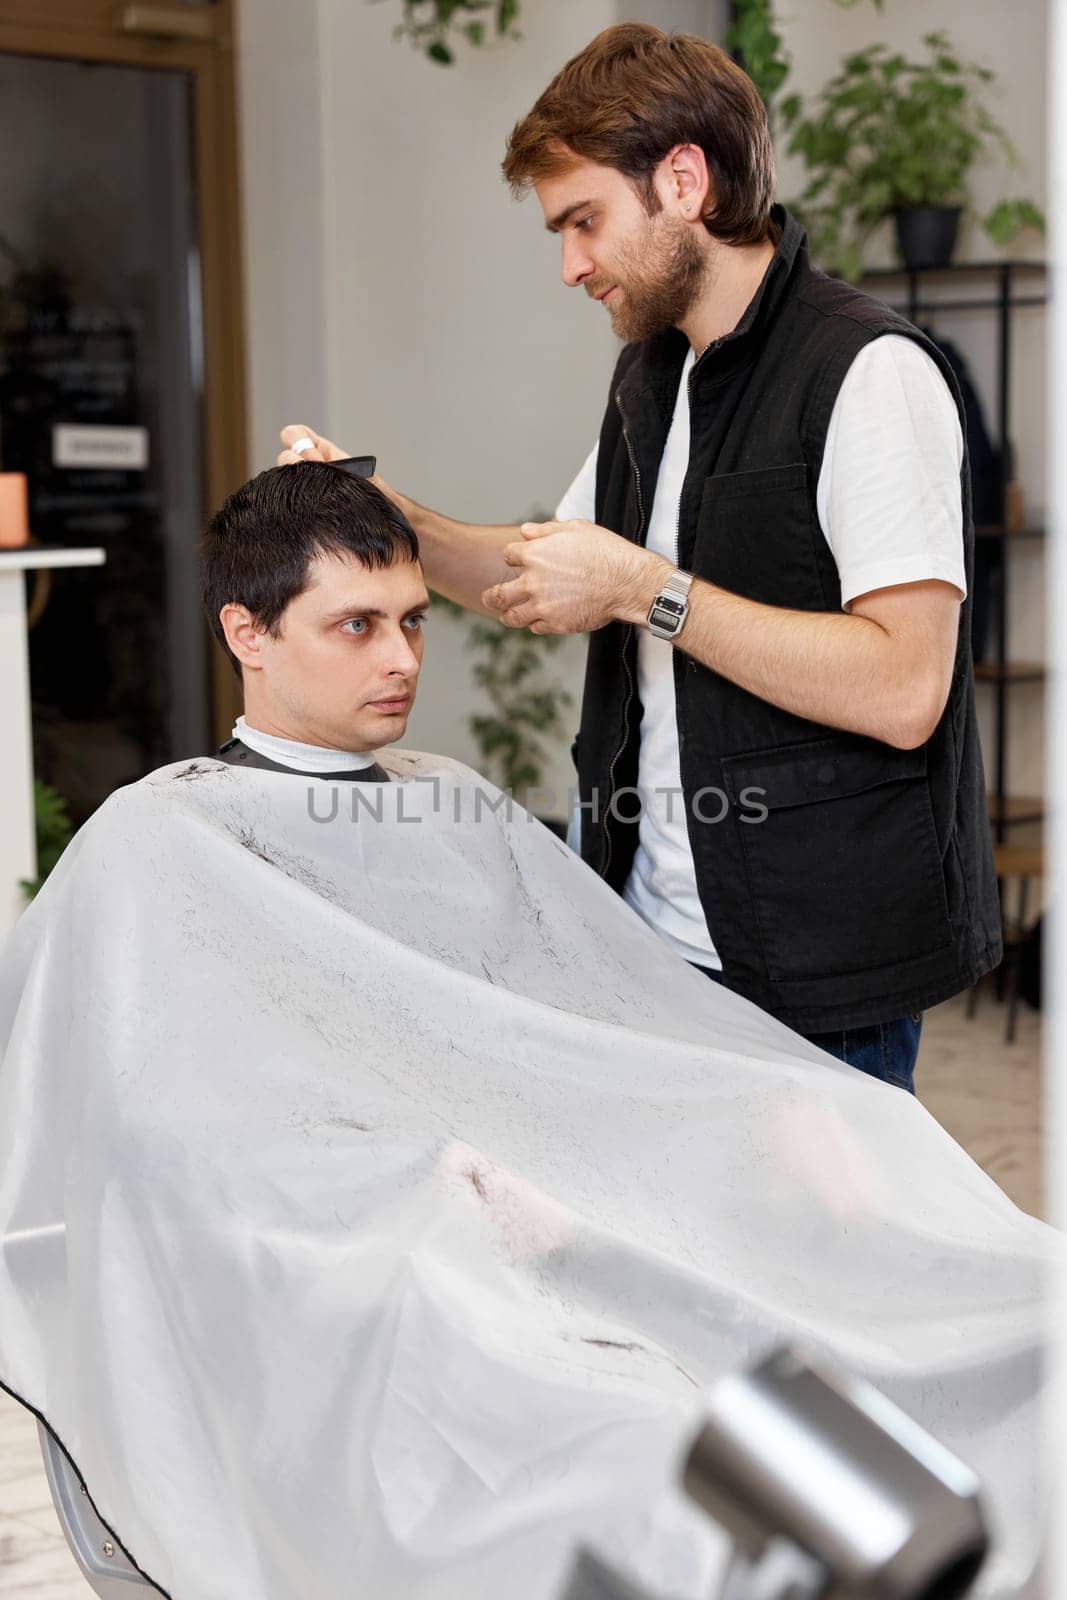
(343, 668)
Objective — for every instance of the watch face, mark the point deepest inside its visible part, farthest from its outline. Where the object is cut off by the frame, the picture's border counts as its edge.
(668, 611)
(666, 614)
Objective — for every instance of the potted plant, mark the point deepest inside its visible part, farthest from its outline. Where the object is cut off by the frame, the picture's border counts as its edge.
(892, 137)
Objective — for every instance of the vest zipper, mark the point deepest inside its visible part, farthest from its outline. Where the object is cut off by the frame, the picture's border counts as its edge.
(625, 642)
(689, 400)
(678, 518)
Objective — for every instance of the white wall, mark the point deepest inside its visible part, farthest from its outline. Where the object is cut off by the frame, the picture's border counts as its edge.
(1013, 41)
(709, 18)
(282, 180)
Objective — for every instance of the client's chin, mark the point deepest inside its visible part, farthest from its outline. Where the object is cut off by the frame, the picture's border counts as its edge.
(387, 720)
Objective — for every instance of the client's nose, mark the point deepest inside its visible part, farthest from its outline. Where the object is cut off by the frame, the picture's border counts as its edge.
(401, 659)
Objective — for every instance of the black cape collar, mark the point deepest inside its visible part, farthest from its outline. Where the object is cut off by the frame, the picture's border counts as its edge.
(236, 754)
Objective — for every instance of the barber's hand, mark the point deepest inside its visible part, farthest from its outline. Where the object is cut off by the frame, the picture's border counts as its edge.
(325, 449)
(572, 577)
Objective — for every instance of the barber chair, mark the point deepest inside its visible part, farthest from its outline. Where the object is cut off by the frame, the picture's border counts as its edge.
(106, 1569)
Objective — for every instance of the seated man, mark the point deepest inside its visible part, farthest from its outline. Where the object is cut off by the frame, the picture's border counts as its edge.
(312, 585)
(378, 1199)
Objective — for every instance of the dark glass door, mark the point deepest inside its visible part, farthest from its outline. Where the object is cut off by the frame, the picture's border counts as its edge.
(101, 396)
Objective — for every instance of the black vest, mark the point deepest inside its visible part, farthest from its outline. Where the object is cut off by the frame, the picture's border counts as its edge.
(867, 891)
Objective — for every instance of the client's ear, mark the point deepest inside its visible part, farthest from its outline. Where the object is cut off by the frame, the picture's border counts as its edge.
(242, 635)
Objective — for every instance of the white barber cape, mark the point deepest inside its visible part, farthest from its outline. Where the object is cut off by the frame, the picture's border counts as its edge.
(378, 1197)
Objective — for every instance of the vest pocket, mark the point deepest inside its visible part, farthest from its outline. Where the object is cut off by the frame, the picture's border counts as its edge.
(754, 536)
(844, 869)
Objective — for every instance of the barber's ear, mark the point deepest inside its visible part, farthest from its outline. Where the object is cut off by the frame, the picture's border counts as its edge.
(686, 181)
(242, 635)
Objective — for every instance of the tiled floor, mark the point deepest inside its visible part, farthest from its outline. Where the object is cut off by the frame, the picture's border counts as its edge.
(34, 1559)
(986, 1093)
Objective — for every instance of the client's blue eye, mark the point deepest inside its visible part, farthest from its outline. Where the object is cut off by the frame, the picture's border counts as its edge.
(415, 622)
(358, 625)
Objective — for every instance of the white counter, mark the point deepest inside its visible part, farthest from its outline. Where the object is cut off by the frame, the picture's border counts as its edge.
(18, 847)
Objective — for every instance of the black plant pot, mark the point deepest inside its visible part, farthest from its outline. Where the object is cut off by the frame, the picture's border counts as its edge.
(926, 235)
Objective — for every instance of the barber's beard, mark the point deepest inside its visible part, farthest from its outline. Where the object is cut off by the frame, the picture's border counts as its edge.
(660, 280)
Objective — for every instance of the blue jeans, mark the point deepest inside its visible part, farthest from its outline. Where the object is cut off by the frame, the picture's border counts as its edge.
(885, 1050)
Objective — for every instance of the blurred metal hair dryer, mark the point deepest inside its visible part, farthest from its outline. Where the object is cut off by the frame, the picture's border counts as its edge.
(829, 1490)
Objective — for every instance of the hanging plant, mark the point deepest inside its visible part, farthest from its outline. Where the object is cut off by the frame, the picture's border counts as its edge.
(435, 26)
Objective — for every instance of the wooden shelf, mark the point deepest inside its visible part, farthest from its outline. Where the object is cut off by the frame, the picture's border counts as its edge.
(1017, 809)
(1010, 672)
(1015, 264)
(990, 530)
(930, 308)
(1019, 860)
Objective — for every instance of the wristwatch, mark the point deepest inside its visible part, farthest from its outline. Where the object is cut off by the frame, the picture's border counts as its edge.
(670, 607)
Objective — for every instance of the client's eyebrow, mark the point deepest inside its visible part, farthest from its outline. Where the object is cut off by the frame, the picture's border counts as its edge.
(565, 215)
(370, 611)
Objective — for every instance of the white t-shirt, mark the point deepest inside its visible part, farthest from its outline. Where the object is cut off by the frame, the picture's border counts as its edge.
(888, 502)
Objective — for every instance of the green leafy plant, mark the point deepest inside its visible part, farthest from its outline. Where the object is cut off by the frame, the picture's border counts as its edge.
(526, 708)
(885, 134)
(435, 26)
(754, 35)
(1011, 217)
(54, 831)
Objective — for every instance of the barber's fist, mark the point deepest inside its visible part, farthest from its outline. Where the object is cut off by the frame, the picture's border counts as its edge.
(573, 577)
(324, 449)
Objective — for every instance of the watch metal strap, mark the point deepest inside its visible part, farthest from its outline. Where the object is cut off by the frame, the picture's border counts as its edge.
(678, 583)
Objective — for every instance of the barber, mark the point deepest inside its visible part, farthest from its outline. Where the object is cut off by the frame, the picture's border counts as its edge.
(770, 546)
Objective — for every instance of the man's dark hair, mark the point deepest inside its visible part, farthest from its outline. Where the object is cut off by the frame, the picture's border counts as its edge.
(258, 547)
(634, 93)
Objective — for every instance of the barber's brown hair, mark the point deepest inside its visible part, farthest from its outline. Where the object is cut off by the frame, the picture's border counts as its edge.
(633, 94)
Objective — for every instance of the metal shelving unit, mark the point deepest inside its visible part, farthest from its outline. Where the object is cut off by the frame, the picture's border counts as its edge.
(1011, 282)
